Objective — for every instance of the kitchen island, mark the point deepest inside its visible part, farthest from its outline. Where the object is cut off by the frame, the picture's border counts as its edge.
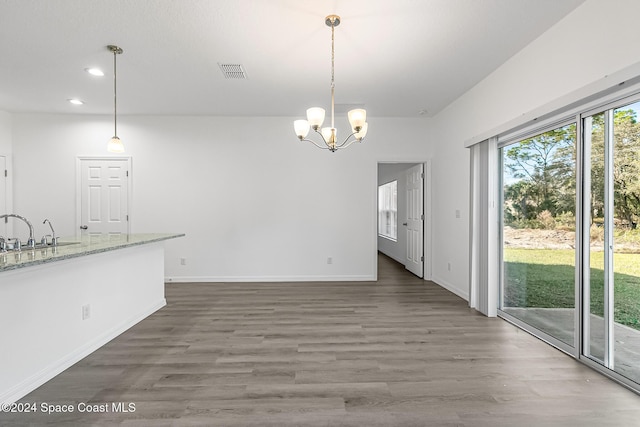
(59, 304)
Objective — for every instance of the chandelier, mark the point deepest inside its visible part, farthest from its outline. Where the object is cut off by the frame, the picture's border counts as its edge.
(115, 144)
(315, 115)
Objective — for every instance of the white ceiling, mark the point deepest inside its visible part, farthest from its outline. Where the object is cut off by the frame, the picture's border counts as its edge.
(396, 57)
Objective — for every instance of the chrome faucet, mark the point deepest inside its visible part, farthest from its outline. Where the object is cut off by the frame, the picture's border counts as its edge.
(31, 242)
(17, 244)
(54, 239)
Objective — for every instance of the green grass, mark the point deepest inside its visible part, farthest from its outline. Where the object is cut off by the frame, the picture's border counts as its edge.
(546, 278)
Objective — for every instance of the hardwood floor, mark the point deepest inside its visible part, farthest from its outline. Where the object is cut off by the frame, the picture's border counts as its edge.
(398, 352)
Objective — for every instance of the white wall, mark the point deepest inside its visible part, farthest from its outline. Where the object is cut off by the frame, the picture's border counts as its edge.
(5, 133)
(254, 202)
(598, 39)
(6, 184)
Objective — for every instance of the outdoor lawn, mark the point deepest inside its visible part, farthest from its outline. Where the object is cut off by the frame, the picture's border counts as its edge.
(545, 278)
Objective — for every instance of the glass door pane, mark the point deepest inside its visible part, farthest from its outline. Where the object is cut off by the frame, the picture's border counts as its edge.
(626, 241)
(538, 216)
(594, 293)
(611, 320)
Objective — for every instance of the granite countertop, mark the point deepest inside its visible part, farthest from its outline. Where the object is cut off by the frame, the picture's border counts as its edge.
(82, 246)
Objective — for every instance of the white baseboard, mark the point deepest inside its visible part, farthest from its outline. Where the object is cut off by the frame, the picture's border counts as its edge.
(216, 279)
(36, 380)
(448, 286)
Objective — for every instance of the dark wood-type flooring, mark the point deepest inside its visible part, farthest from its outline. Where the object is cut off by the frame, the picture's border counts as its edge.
(397, 352)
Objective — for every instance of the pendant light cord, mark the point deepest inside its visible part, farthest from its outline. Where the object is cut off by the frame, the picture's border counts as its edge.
(116, 51)
(115, 95)
(333, 83)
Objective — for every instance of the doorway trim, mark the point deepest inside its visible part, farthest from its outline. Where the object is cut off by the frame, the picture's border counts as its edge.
(8, 189)
(428, 218)
(79, 161)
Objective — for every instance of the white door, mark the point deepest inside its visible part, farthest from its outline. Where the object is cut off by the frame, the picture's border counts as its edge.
(3, 195)
(104, 195)
(415, 220)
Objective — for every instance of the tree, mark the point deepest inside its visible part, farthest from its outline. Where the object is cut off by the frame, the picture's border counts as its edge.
(626, 166)
(544, 167)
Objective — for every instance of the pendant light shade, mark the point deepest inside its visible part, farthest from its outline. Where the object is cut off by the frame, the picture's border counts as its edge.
(357, 118)
(302, 128)
(315, 117)
(115, 144)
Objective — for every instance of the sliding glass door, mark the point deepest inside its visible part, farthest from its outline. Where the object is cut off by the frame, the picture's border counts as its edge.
(538, 232)
(611, 249)
(570, 236)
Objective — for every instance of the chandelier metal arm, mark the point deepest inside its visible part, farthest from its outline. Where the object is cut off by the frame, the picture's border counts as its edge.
(316, 144)
(328, 146)
(347, 142)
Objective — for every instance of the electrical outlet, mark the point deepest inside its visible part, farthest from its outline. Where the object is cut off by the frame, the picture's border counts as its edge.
(86, 311)
(183, 261)
(329, 260)
(449, 266)
(457, 213)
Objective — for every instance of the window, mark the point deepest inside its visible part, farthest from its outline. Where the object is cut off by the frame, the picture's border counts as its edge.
(388, 210)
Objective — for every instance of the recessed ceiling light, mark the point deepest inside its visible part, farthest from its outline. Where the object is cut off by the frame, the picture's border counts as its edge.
(75, 101)
(95, 71)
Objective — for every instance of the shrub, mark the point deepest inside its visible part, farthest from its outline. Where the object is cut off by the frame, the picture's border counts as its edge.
(546, 220)
(566, 221)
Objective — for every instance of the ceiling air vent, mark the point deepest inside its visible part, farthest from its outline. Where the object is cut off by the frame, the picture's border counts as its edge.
(233, 71)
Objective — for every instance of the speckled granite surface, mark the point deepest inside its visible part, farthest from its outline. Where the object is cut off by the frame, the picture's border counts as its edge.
(85, 245)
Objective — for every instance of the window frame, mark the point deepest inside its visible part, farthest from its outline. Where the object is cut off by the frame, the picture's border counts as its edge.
(391, 197)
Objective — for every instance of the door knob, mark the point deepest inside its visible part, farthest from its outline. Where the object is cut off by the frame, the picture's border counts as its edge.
(83, 227)
(404, 223)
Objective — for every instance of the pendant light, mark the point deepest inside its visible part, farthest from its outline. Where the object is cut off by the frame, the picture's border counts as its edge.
(115, 144)
(315, 116)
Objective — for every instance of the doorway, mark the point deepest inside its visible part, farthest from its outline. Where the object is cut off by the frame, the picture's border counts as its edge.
(103, 195)
(403, 223)
(3, 194)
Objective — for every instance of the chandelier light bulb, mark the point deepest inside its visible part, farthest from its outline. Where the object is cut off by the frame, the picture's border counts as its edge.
(330, 135)
(302, 128)
(315, 117)
(357, 118)
(362, 132)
